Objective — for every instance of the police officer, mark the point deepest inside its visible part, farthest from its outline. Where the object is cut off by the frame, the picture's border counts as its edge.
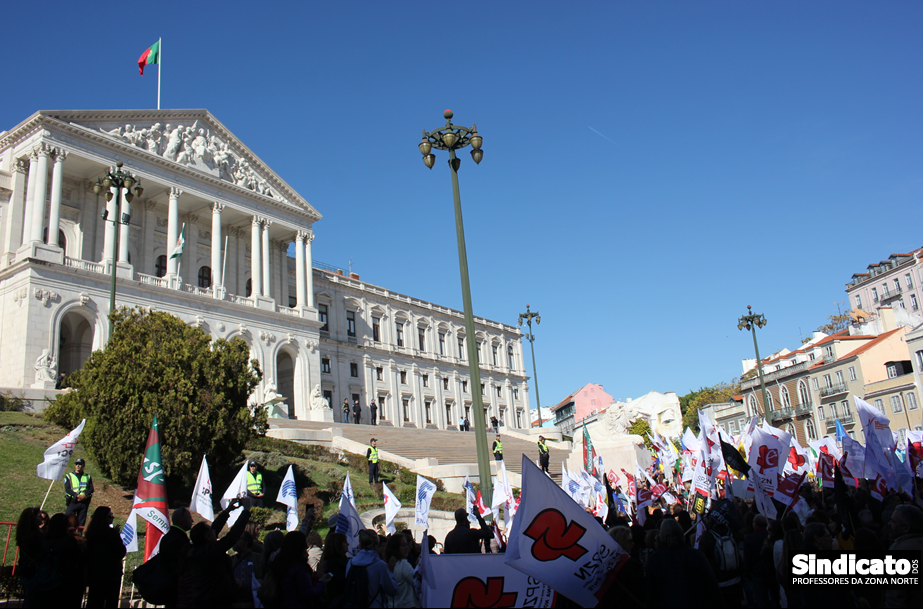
(371, 455)
(255, 488)
(373, 409)
(78, 491)
(543, 457)
(498, 449)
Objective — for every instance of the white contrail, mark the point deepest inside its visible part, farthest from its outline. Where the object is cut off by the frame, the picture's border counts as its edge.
(600, 134)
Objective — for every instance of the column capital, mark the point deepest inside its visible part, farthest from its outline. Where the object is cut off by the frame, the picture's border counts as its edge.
(266, 224)
(20, 165)
(301, 235)
(59, 155)
(217, 207)
(42, 149)
(191, 218)
(175, 192)
(150, 204)
(310, 237)
(256, 221)
(282, 244)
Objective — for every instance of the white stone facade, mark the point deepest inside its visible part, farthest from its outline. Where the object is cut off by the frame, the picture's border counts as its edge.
(235, 277)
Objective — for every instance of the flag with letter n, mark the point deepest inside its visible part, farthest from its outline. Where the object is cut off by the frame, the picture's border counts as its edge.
(425, 492)
(556, 542)
(480, 580)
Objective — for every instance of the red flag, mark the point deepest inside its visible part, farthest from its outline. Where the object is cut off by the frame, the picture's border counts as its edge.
(788, 488)
(151, 496)
(825, 464)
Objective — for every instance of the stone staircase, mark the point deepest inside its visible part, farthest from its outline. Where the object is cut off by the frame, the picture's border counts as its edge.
(449, 447)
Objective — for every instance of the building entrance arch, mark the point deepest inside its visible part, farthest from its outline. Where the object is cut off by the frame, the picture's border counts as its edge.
(75, 342)
(285, 380)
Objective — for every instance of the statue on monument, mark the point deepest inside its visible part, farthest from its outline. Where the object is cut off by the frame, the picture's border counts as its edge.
(318, 401)
(619, 418)
(45, 367)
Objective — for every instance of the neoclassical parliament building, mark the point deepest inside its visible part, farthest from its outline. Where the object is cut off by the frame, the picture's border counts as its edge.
(315, 331)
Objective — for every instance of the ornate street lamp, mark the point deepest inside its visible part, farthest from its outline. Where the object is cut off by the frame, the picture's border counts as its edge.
(528, 316)
(118, 179)
(751, 321)
(455, 137)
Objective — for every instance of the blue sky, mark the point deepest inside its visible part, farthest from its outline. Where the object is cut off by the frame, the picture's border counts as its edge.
(650, 169)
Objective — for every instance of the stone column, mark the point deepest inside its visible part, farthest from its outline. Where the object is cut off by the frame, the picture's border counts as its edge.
(309, 269)
(172, 230)
(147, 262)
(37, 225)
(300, 268)
(57, 185)
(191, 250)
(230, 276)
(255, 266)
(283, 271)
(15, 210)
(124, 228)
(264, 254)
(217, 279)
(109, 237)
(30, 198)
(439, 419)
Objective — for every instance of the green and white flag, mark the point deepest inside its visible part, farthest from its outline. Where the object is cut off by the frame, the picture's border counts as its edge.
(178, 250)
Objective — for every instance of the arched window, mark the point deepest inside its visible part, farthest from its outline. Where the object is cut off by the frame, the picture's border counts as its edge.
(811, 430)
(205, 277)
(803, 394)
(786, 400)
(790, 428)
(249, 287)
(752, 410)
(509, 355)
(62, 240)
(771, 405)
(160, 268)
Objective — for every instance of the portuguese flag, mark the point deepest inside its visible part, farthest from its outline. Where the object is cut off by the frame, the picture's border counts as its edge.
(151, 496)
(151, 55)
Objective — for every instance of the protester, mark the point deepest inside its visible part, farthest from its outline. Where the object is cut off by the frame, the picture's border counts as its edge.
(334, 561)
(396, 554)
(29, 542)
(105, 551)
(295, 581)
(628, 588)
(242, 565)
(367, 566)
(906, 526)
(61, 572)
(315, 549)
(677, 575)
(173, 548)
(271, 544)
(463, 539)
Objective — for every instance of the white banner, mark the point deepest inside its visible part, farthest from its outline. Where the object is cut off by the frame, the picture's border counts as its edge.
(392, 507)
(556, 542)
(766, 458)
(348, 521)
(481, 580)
(202, 495)
(348, 490)
(130, 533)
(288, 496)
(237, 488)
(58, 455)
(425, 492)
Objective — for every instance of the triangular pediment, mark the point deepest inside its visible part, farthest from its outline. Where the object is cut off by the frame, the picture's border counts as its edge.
(193, 139)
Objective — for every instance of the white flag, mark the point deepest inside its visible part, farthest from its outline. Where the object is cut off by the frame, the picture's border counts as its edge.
(425, 492)
(766, 457)
(58, 455)
(202, 495)
(288, 496)
(130, 533)
(238, 488)
(348, 490)
(470, 501)
(479, 580)
(392, 507)
(556, 542)
(349, 523)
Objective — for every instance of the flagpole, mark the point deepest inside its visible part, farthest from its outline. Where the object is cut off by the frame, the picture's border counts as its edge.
(224, 263)
(46, 494)
(159, 62)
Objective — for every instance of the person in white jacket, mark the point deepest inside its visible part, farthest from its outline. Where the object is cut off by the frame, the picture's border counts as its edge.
(381, 583)
(396, 554)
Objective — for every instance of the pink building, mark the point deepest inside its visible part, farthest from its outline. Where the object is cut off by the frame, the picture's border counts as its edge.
(586, 401)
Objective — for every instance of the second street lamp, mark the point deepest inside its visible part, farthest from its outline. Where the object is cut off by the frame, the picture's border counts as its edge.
(752, 321)
(528, 316)
(451, 138)
(117, 179)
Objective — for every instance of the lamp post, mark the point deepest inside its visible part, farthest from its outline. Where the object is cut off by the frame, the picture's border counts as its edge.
(118, 179)
(528, 315)
(751, 321)
(451, 138)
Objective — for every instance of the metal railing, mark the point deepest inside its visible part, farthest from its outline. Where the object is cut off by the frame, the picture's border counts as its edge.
(892, 292)
(801, 409)
(833, 390)
(781, 414)
(845, 419)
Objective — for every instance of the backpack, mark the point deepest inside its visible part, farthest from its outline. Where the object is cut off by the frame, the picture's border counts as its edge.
(357, 588)
(726, 555)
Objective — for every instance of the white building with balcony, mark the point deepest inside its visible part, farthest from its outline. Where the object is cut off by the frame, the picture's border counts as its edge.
(246, 270)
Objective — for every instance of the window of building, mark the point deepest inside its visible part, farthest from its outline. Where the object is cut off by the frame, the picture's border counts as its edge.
(920, 361)
(839, 377)
(426, 380)
(908, 280)
(786, 399)
(811, 356)
(897, 405)
(465, 386)
(461, 348)
(771, 405)
(322, 317)
(479, 351)
(400, 334)
(376, 329)
(828, 382)
(803, 394)
(897, 284)
(814, 383)
(160, 267)
(350, 323)
(833, 412)
(292, 302)
(421, 338)
(519, 418)
(902, 436)
(493, 349)
(751, 406)
(879, 405)
(205, 277)
(828, 352)
(852, 373)
(445, 383)
(911, 400)
(499, 391)
(845, 405)
(874, 295)
(732, 426)
(328, 395)
(403, 377)
(913, 302)
(353, 369)
(379, 373)
(509, 355)
(482, 388)
(449, 419)
(355, 398)
(515, 393)
(382, 406)
(442, 343)
(427, 405)
(325, 364)
(885, 292)
(820, 412)
(858, 301)
(901, 303)
(810, 429)
(892, 371)
(406, 405)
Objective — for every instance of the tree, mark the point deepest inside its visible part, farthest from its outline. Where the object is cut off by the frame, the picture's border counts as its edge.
(154, 363)
(836, 323)
(642, 427)
(721, 392)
